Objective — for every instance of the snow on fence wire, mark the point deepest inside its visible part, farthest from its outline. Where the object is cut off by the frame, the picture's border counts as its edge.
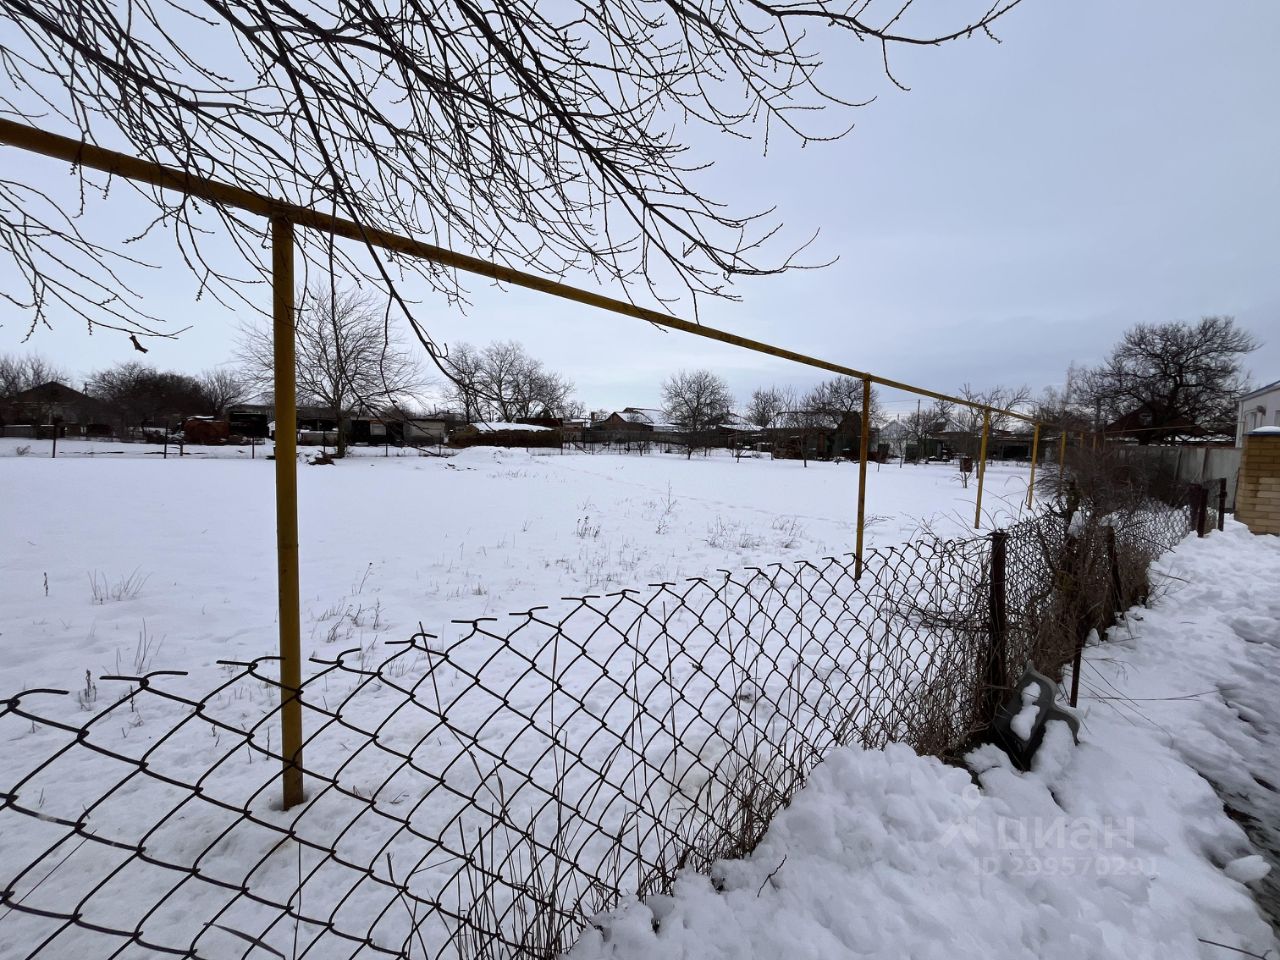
(484, 795)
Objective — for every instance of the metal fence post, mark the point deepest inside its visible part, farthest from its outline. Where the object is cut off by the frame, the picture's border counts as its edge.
(1117, 589)
(287, 507)
(1222, 502)
(982, 468)
(1035, 454)
(1199, 503)
(997, 625)
(863, 442)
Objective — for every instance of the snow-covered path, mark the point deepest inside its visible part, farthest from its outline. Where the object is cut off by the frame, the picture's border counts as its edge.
(1200, 671)
(1117, 848)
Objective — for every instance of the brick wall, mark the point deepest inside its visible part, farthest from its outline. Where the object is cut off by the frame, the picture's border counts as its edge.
(1258, 495)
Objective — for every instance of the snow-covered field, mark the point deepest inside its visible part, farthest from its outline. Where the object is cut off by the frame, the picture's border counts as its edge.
(118, 560)
(1117, 848)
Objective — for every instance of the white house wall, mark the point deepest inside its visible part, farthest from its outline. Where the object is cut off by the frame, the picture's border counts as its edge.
(1261, 409)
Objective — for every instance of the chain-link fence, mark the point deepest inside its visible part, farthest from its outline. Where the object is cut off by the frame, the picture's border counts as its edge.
(484, 794)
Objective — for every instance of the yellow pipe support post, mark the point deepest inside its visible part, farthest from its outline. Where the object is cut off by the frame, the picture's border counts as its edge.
(1035, 455)
(982, 468)
(864, 436)
(286, 402)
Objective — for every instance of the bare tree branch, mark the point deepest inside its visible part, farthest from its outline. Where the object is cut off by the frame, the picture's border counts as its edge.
(539, 135)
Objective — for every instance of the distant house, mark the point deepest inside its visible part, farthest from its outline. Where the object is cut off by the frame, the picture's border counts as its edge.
(1001, 444)
(250, 420)
(616, 423)
(820, 435)
(504, 434)
(1258, 408)
(1147, 425)
(735, 426)
(650, 418)
(36, 411)
(895, 433)
(423, 429)
(915, 441)
(635, 424)
(318, 425)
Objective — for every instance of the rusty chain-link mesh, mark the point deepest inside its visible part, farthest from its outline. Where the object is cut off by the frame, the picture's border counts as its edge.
(1066, 579)
(485, 793)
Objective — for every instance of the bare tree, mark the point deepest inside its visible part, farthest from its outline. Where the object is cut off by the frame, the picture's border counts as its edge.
(1172, 377)
(223, 389)
(348, 358)
(805, 423)
(22, 372)
(995, 399)
(537, 135)
(1066, 408)
(767, 406)
(465, 381)
(842, 396)
(502, 382)
(924, 423)
(696, 401)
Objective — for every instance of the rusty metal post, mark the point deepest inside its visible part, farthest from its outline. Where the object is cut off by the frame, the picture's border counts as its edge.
(864, 439)
(997, 626)
(286, 453)
(1222, 502)
(1074, 546)
(1076, 664)
(1117, 589)
(1035, 455)
(982, 468)
(1199, 497)
(1062, 451)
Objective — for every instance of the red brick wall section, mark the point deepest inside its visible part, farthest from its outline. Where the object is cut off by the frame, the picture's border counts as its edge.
(1258, 496)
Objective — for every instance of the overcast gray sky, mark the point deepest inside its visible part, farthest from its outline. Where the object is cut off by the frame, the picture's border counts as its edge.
(1107, 163)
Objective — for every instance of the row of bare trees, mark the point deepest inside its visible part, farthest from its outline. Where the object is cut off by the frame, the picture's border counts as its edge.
(350, 363)
(128, 394)
(132, 394)
(24, 372)
(698, 401)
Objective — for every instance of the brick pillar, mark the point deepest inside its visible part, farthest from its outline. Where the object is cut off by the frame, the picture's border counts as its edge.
(1258, 494)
